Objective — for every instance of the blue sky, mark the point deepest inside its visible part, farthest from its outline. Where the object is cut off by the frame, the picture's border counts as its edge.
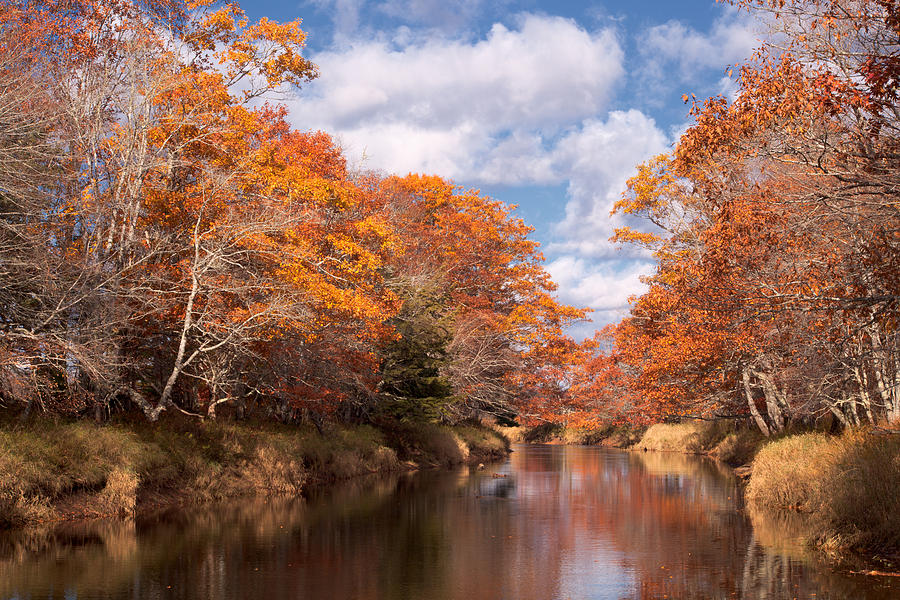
(548, 105)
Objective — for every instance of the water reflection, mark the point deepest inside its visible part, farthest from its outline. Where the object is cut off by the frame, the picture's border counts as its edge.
(552, 522)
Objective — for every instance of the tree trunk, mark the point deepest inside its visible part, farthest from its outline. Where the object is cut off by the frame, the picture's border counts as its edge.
(760, 421)
(773, 402)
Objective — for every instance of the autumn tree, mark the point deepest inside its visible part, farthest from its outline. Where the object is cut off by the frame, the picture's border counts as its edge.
(170, 243)
(776, 233)
(506, 347)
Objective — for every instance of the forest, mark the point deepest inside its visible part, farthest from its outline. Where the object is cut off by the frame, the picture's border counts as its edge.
(775, 224)
(169, 244)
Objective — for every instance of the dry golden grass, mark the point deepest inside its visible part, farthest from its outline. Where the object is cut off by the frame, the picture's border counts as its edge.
(482, 444)
(113, 466)
(427, 444)
(787, 473)
(738, 448)
(623, 437)
(859, 503)
(616, 436)
(513, 434)
(680, 437)
(850, 484)
(722, 439)
(119, 495)
(16, 509)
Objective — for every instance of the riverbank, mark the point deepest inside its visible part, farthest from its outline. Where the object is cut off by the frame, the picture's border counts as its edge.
(845, 487)
(611, 436)
(848, 485)
(55, 470)
(735, 446)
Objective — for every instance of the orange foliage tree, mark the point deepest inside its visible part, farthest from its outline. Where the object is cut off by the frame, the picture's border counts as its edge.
(187, 249)
(777, 231)
(506, 351)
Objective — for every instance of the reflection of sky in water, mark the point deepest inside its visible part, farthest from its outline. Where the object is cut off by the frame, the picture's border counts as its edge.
(594, 569)
(552, 522)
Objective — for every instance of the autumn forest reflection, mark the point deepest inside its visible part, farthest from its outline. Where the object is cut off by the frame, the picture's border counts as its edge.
(552, 522)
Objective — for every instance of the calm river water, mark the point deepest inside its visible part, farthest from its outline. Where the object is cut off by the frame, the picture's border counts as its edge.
(551, 522)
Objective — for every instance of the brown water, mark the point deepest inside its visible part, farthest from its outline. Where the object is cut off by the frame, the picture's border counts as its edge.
(564, 522)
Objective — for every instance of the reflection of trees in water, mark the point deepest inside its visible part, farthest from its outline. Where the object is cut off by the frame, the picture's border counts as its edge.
(673, 517)
(110, 557)
(778, 563)
(679, 522)
(563, 520)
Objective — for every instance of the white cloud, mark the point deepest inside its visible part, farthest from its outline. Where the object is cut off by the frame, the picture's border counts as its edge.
(486, 101)
(603, 286)
(674, 55)
(732, 39)
(728, 87)
(403, 148)
(345, 15)
(599, 158)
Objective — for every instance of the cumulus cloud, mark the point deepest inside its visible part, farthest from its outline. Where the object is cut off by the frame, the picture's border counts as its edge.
(603, 286)
(345, 15)
(474, 97)
(599, 158)
(732, 39)
(674, 54)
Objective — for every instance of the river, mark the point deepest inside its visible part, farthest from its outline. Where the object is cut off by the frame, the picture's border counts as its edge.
(552, 522)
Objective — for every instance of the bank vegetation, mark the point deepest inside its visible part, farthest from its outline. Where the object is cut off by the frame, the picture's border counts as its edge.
(55, 470)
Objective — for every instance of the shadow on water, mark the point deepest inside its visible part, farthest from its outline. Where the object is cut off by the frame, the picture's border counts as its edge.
(551, 522)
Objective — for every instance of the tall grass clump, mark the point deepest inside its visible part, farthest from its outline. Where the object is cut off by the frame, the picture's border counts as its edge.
(739, 448)
(849, 484)
(17, 509)
(859, 503)
(119, 495)
(482, 443)
(622, 435)
(786, 473)
(430, 444)
(727, 441)
(515, 434)
(673, 437)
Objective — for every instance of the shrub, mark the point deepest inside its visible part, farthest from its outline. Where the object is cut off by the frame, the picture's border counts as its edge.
(850, 484)
(786, 473)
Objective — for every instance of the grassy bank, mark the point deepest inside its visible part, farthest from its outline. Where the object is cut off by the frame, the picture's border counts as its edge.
(847, 488)
(56, 470)
(849, 485)
(614, 436)
(734, 445)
